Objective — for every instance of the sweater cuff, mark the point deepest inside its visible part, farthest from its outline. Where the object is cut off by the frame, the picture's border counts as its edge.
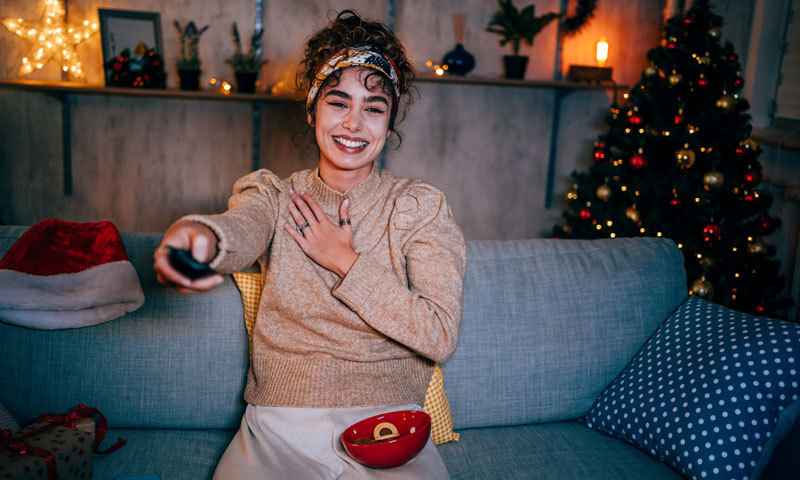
(356, 287)
(222, 244)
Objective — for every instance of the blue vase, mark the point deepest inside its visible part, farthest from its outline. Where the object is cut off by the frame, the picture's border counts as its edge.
(459, 61)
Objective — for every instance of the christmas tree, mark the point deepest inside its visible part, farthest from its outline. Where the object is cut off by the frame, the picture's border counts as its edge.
(678, 162)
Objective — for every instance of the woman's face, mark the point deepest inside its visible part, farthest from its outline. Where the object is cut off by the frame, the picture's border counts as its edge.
(352, 122)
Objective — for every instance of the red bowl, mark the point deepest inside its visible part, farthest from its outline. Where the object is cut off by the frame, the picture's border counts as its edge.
(393, 452)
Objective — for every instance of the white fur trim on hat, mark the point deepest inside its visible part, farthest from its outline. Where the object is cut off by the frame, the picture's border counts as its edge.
(70, 300)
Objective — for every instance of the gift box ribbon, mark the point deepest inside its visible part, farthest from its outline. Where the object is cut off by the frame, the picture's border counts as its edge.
(82, 411)
(13, 442)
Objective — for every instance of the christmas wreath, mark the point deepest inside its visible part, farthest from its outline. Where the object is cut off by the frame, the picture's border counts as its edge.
(583, 13)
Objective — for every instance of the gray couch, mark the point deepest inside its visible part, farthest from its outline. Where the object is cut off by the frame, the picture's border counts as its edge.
(547, 325)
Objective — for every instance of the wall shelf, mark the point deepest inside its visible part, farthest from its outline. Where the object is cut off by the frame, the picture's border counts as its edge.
(506, 82)
(562, 88)
(64, 90)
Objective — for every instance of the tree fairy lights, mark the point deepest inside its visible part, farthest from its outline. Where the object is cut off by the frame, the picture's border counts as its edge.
(52, 39)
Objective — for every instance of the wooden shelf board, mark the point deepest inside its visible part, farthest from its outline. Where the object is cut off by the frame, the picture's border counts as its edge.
(773, 136)
(505, 82)
(97, 89)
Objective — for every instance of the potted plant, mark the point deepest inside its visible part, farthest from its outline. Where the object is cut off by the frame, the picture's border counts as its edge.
(515, 26)
(188, 62)
(246, 65)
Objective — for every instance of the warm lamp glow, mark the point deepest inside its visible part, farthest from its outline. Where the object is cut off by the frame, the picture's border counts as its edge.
(602, 52)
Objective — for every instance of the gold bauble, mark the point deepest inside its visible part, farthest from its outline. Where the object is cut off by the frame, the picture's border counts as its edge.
(704, 60)
(675, 78)
(713, 180)
(726, 102)
(650, 70)
(756, 247)
(685, 158)
(603, 192)
(566, 228)
(702, 288)
(750, 143)
(633, 214)
(715, 32)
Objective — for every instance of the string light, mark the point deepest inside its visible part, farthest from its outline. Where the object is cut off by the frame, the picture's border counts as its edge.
(51, 39)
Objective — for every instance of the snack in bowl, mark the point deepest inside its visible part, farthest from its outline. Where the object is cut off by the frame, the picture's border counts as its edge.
(372, 441)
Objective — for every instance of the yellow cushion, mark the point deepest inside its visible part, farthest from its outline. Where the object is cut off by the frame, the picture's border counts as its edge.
(435, 399)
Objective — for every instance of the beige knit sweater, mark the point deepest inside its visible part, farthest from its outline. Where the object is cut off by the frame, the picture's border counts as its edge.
(369, 338)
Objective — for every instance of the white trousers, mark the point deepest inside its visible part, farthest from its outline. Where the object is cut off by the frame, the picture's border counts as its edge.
(278, 443)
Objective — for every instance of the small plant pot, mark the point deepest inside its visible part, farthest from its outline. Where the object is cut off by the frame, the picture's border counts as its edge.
(246, 81)
(515, 66)
(189, 79)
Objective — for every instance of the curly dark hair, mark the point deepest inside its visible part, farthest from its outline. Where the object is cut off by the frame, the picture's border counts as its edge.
(348, 30)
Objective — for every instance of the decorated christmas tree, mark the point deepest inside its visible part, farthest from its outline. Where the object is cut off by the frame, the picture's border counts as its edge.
(678, 162)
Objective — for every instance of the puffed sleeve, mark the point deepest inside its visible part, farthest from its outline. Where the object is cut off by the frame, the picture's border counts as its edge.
(424, 315)
(245, 230)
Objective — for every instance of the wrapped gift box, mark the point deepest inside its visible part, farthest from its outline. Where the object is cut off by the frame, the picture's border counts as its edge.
(44, 448)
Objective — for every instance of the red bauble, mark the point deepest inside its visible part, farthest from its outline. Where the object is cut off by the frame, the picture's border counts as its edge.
(688, 20)
(733, 57)
(712, 232)
(637, 161)
(738, 82)
(760, 309)
(635, 119)
(741, 151)
(702, 82)
(749, 197)
(675, 202)
(752, 177)
(600, 155)
(585, 214)
(767, 224)
(678, 119)
(671, 46)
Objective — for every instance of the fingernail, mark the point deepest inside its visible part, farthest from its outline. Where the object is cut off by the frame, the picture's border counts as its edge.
(291, 192)
(219, 280)
(346, 202)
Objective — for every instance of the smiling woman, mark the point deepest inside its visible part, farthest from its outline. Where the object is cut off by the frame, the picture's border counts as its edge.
(362, 271)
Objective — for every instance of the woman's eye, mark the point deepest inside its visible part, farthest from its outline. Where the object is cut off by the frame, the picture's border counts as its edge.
(337, 104)
(375, 110)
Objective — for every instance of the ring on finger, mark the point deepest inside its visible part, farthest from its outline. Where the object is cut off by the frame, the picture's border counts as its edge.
(344, 221)
(300, 227)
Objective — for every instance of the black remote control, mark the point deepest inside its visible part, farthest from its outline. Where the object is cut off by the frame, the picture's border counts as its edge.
(182, 261)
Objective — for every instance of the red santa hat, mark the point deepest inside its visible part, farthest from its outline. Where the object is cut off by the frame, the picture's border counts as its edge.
(66, 275)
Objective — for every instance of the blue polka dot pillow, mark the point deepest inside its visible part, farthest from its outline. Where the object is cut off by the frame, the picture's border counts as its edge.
(711, 393)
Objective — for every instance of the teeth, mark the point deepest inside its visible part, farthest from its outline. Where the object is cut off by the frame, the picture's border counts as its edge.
(348, 143)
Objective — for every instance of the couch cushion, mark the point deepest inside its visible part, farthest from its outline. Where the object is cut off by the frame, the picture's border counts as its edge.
(711, 393)
(548, 450)
(547, 324)
(170, 454)
(180, 361)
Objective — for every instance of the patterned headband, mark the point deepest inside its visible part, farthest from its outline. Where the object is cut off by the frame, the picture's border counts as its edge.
(363, 56)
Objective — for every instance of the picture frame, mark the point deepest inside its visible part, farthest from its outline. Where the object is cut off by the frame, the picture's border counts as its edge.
(126, 29)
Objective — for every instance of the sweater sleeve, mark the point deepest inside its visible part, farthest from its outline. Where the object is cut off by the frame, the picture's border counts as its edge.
(425, 316)
(245, 230)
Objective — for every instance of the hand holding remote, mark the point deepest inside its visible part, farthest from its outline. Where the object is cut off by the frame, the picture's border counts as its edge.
(183, 256)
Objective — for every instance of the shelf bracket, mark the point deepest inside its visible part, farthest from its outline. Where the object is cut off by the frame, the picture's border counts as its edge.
(256, 160)
(560, 93)
(66, 139)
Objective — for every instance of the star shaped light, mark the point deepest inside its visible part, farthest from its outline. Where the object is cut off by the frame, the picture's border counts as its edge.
(52, 39)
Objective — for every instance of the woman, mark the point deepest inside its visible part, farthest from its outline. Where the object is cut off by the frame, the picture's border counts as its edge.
(362, 272)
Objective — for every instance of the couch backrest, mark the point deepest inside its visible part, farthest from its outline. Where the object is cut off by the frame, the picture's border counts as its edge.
(547, 324)
(178, 362)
